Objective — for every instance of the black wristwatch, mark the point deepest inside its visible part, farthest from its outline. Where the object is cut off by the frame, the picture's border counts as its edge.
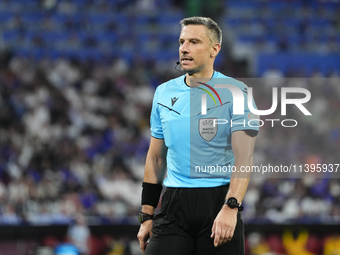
(144, 217)
(233, 203)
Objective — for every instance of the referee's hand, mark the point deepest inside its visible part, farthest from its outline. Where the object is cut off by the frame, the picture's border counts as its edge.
(144, 234)
(224, 225)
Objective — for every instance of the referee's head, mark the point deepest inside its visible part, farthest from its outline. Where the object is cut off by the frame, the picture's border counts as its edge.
(199, 44)
(215, 32)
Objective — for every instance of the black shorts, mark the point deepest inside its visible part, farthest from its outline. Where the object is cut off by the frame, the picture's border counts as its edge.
(183, 225)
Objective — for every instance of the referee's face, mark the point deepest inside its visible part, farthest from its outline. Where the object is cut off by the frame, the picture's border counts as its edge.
(195, 48)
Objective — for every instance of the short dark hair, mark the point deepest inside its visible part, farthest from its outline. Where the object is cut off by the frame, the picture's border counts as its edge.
(208, 22)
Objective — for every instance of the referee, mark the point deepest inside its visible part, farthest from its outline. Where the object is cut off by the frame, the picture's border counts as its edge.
(201, 207)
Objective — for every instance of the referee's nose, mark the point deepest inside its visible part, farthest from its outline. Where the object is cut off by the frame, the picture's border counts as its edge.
(184, 48)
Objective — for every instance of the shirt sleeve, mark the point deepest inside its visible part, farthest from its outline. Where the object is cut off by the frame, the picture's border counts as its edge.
(155, 120)
(246, 121)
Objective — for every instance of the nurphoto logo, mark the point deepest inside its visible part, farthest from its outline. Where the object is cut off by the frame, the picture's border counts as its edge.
(238, 104)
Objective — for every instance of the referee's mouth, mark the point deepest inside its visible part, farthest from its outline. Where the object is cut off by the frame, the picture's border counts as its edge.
(186, 60)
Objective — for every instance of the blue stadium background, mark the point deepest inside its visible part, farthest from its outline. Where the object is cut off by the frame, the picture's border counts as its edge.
(76, 85)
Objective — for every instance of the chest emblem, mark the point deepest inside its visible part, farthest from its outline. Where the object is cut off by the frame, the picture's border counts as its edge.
(173, 100)
(207, 129)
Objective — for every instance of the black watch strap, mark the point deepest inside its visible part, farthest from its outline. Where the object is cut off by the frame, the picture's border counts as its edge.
(144, 217)
(233, 203)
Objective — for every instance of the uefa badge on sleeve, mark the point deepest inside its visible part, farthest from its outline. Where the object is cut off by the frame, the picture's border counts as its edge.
(252, 116)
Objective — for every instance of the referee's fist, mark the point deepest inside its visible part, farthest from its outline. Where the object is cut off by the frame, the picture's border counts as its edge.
(144, 234)
(224, 225)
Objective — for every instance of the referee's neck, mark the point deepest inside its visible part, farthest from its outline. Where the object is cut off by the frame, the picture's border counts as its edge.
(200, 76)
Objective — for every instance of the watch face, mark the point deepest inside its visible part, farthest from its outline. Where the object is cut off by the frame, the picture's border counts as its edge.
(232, 202)
(144, 217)
(140, 218)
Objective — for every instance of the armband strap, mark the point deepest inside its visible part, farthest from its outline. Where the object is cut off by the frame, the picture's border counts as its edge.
(151, 193)
(251, 132)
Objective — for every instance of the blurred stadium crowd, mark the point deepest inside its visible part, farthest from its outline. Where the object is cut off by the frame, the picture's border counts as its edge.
(76, 85)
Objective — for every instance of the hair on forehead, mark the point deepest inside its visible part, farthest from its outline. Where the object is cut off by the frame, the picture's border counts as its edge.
(211, 25)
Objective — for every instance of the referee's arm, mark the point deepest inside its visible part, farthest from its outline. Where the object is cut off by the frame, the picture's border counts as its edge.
(155, 168)
(225, 222)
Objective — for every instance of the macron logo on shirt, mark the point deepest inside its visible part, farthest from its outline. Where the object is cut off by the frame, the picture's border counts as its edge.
(173, 100)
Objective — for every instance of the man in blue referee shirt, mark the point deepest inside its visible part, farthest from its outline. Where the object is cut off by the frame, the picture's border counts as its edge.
(195, 146)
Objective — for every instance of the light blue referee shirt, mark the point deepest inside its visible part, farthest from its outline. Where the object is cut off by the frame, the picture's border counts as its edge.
(198, 141)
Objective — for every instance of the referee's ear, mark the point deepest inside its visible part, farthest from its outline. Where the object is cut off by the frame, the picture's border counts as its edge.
(215, 49)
